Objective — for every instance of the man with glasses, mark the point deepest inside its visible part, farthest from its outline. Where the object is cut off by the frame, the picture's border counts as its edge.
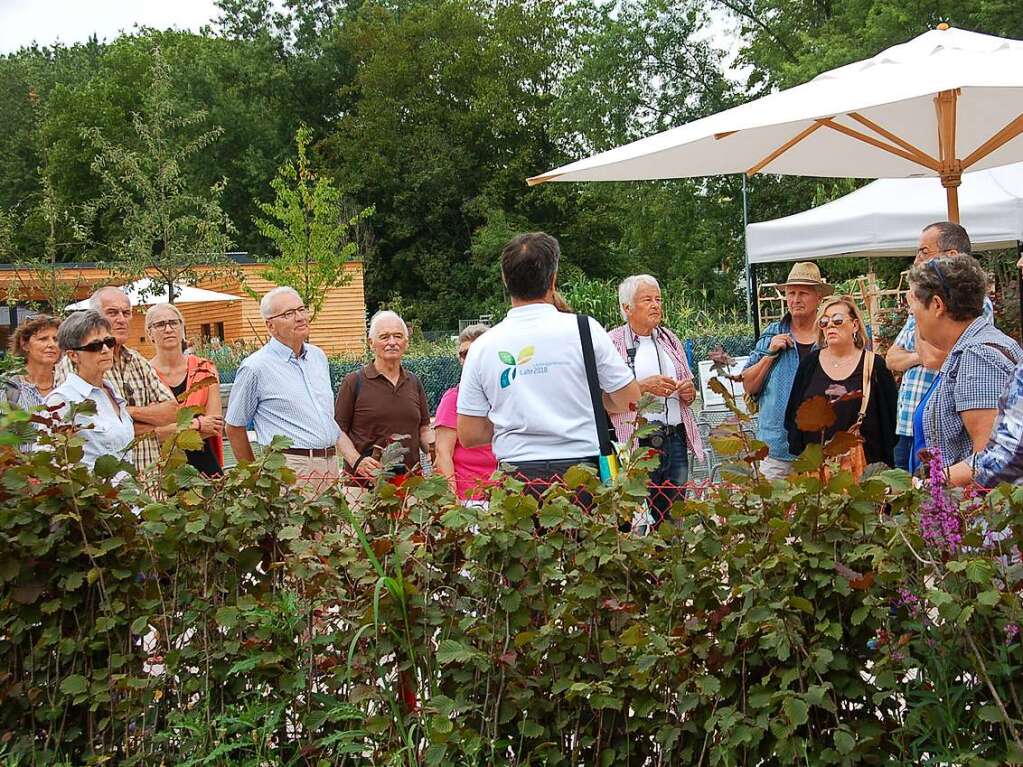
(284, 390)
(910, 355)
(149, 402)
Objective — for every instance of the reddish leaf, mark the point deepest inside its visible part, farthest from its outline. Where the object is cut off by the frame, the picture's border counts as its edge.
(509, 658)
(840, 444)
(816, 414)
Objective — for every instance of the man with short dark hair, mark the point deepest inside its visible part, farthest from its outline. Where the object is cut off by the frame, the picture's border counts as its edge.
(524, 385)
(910, 355)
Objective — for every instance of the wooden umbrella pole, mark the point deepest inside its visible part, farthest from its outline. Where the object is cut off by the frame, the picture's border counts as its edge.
(951, 168)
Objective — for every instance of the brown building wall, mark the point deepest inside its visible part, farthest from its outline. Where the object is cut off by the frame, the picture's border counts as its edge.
(340, 326)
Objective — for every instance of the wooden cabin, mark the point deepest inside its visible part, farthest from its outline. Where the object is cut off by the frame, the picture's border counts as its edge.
(339, 327)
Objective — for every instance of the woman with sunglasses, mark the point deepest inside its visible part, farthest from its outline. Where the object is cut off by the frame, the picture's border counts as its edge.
(87, 340)
(843, 363)
(466, 468)
(193, 381)
(956, 415)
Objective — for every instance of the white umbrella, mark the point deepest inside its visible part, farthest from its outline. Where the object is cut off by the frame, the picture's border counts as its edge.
(940, 104)
(884, 218)
(146, 292)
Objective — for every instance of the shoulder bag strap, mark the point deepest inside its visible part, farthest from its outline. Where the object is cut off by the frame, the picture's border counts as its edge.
(868, 371)
(590, 362)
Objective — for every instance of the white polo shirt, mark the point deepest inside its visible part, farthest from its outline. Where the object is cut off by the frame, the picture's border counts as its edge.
(527, 376)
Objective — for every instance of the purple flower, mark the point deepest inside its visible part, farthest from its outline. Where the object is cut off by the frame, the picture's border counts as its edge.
(940, 521)
(909, 600)
(1011, 632)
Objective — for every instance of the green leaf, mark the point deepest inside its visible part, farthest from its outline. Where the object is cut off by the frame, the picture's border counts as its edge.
(195, 526)
(76, 684)
(990, 713)
(796, 710)
(450, 651)
(801, 603)
(810, 461)
(844, 742)
(507, 358)
(228, 616)
(140, 624)
(289, 533)
(107, 466)
(531, 729)
(989, 598)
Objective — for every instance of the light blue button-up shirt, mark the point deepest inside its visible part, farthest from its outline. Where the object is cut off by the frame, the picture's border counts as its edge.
(774, 396)
(109, 432)
(285, 395)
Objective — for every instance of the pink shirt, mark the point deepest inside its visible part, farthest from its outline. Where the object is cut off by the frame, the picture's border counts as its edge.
(472, 464)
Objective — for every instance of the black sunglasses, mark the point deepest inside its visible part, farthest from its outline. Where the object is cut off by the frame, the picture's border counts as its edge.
(933, 264)
(97, 345)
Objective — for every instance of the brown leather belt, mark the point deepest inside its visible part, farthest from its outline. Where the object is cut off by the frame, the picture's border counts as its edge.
(312, 452)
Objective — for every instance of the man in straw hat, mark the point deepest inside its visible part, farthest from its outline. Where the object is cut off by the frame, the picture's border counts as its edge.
(772, 364)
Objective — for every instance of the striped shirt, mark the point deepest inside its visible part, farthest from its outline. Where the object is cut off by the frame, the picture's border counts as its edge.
(138, 384)
(918, 379)
(285, 395)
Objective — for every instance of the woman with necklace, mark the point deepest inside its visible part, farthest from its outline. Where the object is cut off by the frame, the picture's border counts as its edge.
(89, 343)
(839, 362)
(35, 342)
(188, 377)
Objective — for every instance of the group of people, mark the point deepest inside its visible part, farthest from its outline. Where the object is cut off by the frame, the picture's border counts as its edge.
(134, 401)
(540, 391)
(955, 402)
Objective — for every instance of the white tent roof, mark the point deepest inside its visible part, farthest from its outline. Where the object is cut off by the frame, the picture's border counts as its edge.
(157, 294)
(884, 218)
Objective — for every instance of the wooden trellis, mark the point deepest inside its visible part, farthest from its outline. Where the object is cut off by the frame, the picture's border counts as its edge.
(870, 295)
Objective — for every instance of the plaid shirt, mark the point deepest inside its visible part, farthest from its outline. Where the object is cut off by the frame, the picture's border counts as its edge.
(135, 380)
(973, 377)
(917, 380)
(1002, 459)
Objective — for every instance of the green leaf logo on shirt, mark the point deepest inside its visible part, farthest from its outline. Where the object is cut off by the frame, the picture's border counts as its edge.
(508, 374)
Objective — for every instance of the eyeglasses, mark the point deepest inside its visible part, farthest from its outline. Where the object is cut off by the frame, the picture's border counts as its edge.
(97, 345)
(164, 324)
(838, 321)
(291, 313)
(933, 266)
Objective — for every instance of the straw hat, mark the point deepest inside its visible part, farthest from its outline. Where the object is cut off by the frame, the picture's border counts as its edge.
(806, 274)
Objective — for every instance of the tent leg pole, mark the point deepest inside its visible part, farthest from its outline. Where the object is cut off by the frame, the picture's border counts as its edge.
(755, 301)
(1019, 281)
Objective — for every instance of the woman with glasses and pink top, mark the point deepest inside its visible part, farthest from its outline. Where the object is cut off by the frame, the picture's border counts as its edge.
(467, 468)
(842, 363)
(87, 340)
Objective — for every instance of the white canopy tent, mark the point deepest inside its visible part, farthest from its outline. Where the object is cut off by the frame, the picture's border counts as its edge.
(146, 292)
(884, 218)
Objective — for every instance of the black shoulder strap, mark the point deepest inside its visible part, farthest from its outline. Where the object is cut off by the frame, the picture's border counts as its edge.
(590, 361)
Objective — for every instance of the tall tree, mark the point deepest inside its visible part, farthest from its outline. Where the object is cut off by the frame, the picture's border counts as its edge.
(307, 222)
(169, 226)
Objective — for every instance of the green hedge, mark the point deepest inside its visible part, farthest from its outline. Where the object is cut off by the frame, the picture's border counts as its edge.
(233, 622)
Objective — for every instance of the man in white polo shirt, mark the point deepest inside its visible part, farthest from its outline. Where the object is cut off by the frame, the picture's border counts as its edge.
(524, 384)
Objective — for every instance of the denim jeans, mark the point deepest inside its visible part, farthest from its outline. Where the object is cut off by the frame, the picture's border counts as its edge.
(673, 471)
(903, 449)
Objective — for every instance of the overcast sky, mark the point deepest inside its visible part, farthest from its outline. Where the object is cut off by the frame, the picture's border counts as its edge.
(23, 22)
